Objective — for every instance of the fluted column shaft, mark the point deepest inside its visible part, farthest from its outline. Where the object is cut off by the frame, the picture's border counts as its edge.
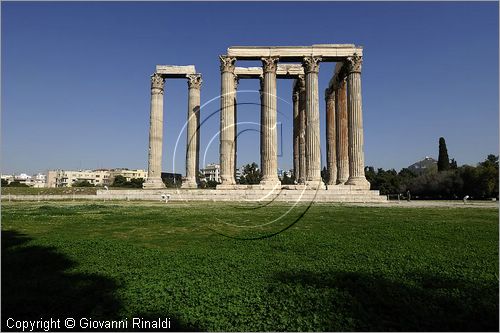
(269, 132)
(235, 144)
(227, 131)
(313, 150)
(355, 124)
(296, 139)
(331, 158)
(262, 111)
(193, 119)
(155, 133)
(341, 131)
(302, 128)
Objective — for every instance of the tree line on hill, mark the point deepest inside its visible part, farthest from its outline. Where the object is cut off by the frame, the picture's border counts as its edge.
(478, 182)
(447, 181)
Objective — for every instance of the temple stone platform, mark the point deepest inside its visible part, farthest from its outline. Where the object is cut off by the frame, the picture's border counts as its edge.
(250, 193)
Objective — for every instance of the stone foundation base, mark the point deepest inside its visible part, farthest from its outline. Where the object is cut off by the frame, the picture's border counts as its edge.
(152, 183)
(315, 184)
(268, 185)
(189, 184)
(360, 182)
(260, 186)
(251, 193)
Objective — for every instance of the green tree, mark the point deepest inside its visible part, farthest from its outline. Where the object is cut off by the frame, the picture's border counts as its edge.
(82, 183)
(212, 184)
(286, 180)
(5, 183)
(251, 174)
(119, 181)
(453, 164)
(16, 183)
(135, 183)
(324, 175)
(405, 178)
(370, 175)
(487, 181)
(443, 159)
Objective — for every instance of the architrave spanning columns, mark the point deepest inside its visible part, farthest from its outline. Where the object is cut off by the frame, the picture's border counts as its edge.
(328, 52)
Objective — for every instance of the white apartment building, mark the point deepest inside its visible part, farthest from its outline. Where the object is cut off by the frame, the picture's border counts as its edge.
(37, 180)
(99, 177)
(8, 178)
(128, 174)
(66, 178)
(212, 172)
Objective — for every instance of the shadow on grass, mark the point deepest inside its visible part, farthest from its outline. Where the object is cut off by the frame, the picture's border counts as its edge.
(36, 284)
(420, 303)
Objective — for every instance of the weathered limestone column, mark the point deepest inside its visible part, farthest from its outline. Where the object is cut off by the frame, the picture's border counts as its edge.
(269, 132)
(193, 116)
(155, 134)
(301, 84)
(341, 130)
(235, 145)
(227, 131)
(355, 124)
(261, 93)
(331, 158)
(313, 150)
(296, 139)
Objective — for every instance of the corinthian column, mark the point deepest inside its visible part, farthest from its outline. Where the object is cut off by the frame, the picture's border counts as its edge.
(341, 129)
(331, 159)
(296, 143)
(227, 131)
(269, 132)
(355, 124)
(235, 144)
(155, 134)
(193, 120)
(261, 93)
(313, 150)
(301, 86)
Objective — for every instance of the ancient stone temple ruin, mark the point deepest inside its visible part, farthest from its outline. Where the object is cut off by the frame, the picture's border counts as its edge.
(344, 123)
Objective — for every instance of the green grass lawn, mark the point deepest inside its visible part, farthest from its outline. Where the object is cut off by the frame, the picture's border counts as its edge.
(214, 267)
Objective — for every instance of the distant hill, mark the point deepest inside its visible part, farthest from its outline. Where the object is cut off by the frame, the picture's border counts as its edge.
(428, 163)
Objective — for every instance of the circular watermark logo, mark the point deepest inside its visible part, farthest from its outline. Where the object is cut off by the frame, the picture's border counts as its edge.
(250, 209)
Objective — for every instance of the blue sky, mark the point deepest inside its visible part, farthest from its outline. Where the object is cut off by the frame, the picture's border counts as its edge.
(76, 91)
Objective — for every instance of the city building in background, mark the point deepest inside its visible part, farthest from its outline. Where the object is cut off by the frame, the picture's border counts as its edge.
(127, 174)
(99, 177)
(211, 172)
